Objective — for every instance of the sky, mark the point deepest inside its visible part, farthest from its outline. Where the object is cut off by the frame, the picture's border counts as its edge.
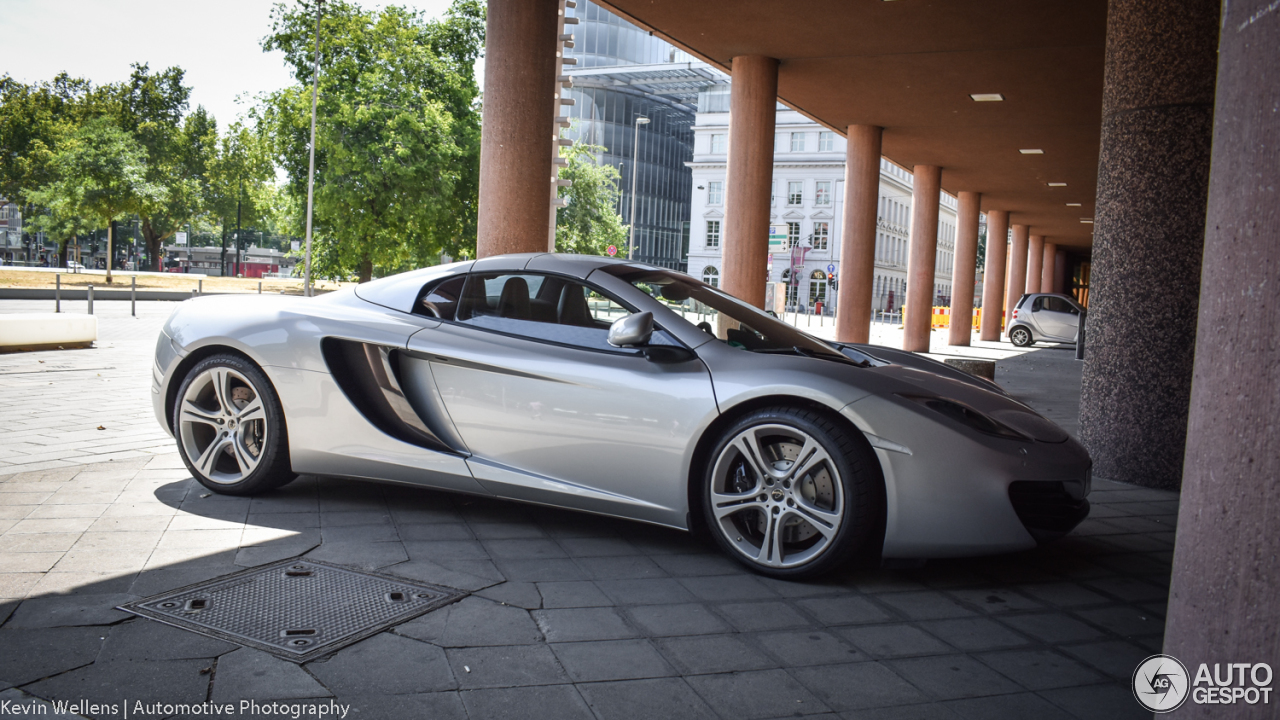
(218, 44)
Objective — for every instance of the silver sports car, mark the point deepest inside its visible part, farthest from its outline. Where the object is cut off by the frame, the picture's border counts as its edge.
(621, 389)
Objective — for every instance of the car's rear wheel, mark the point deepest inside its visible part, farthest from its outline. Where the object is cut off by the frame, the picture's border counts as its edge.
(791, 493)
(230, 427)
(1020, 336)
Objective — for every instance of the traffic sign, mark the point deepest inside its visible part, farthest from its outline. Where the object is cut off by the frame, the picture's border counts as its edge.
(612, 250)
(831, 268)
(778, 238)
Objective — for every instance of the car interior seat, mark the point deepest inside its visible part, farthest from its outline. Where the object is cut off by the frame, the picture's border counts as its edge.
(572, 308)
(514, 302)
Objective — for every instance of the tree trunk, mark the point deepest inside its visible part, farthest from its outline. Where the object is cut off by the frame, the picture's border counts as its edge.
(151, 240)
(111, 227)
(366, 269)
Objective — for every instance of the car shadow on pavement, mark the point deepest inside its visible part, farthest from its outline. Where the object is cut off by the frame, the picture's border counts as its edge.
(574, 615)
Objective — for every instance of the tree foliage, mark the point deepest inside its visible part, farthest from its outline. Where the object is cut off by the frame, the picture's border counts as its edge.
(97, 174)
(589, 223)
(398, 135)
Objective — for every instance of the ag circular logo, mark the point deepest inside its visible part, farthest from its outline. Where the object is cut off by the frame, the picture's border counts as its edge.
(1161, 683)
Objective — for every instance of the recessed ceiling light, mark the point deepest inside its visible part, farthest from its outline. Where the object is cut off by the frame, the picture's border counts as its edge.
(1087, 221)
(1057, 184)
(1032, 151)
(1073, 204)
(987, 97)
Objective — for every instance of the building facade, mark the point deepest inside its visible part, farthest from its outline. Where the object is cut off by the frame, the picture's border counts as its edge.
(808, 206)
(618, 74)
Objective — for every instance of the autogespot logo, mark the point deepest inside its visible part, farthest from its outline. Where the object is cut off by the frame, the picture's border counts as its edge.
(1160, 683)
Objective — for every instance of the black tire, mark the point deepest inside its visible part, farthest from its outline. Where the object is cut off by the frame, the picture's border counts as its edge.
(212, 418)
(741, 527)
(1020, 336)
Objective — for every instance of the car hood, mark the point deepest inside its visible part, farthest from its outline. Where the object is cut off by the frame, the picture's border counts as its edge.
(906, 381)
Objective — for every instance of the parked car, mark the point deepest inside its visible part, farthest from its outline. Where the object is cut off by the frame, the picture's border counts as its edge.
(74, 266)
(1046, 317)
(620, 389)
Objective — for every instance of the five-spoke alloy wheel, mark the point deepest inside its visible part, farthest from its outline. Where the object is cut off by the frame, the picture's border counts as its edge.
(230, 427)
(789, 493)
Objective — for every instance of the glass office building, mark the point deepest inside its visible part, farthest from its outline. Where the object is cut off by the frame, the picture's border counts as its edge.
(623, 73)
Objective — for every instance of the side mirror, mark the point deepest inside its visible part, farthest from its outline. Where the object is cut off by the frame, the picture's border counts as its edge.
(631, 330)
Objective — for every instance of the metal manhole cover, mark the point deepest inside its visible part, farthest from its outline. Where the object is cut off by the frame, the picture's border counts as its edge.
(295, 609)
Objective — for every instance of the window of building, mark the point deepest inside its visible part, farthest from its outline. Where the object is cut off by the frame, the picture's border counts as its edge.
(717, 143)
(715, 193)
(795, 193)
(713, 234)
(821, 232)
(826, 141)
(817, 288)
(710, 275)
(793, 234)
(797, 142)
(822, 194)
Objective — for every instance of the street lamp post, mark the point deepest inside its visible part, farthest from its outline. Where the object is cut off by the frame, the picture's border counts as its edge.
(311, 171)
(635, 165)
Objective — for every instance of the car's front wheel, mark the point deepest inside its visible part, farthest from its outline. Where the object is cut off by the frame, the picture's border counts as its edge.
(1020, 336)
(230, 427)
(791, 493)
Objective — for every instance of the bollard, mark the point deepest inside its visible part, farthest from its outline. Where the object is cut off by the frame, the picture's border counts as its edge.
(133, 295)
(259, 287)
(200, 287)
(57, 293)
(193, 292)
(90, 299)
(1080, 340)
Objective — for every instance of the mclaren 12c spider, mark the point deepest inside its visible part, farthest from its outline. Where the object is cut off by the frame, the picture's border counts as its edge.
(621, 389)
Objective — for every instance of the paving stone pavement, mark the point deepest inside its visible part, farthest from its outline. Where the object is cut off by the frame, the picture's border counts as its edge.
(569, 616)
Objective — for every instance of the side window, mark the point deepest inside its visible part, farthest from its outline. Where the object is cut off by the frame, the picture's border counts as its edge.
(547, 308)
(1059, 305)
(1038, 305)
(440, 299)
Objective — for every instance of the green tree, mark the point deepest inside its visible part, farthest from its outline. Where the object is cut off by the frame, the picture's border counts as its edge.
(151, 107)
(239, 179)
(589, 223)
(33, 120)
(98, 173)
(397, 135)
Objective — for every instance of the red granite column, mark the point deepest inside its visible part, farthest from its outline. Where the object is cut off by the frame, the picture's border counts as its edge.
(922, 257)
(1035, 262)
(993, 274)
(858, 243)
(962, 277)
(1224, 601)
(749, 177)
(515, 147)
(1017, 270)
(1046, 267)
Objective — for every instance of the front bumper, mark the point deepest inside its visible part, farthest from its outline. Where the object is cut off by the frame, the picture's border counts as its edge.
(948, 493)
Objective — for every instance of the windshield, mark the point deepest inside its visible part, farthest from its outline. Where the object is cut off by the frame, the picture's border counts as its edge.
(720, 315)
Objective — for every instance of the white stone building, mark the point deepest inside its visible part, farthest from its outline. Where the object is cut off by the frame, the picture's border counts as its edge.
(808, 201)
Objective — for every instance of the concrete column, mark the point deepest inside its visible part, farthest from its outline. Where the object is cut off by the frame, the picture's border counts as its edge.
(968, 208)
(1035, 263)
(858, 247)
(1223, 604)
(1153, 178)
(1017, 269)
(922, 257)
(515, 148)
(993, 274)
(749, 177)
(1046, 267)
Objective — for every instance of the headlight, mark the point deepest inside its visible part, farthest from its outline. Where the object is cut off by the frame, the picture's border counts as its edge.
(968, 417)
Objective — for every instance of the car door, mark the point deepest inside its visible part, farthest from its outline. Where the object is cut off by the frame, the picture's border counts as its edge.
(551, 412)
(1057, 318)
